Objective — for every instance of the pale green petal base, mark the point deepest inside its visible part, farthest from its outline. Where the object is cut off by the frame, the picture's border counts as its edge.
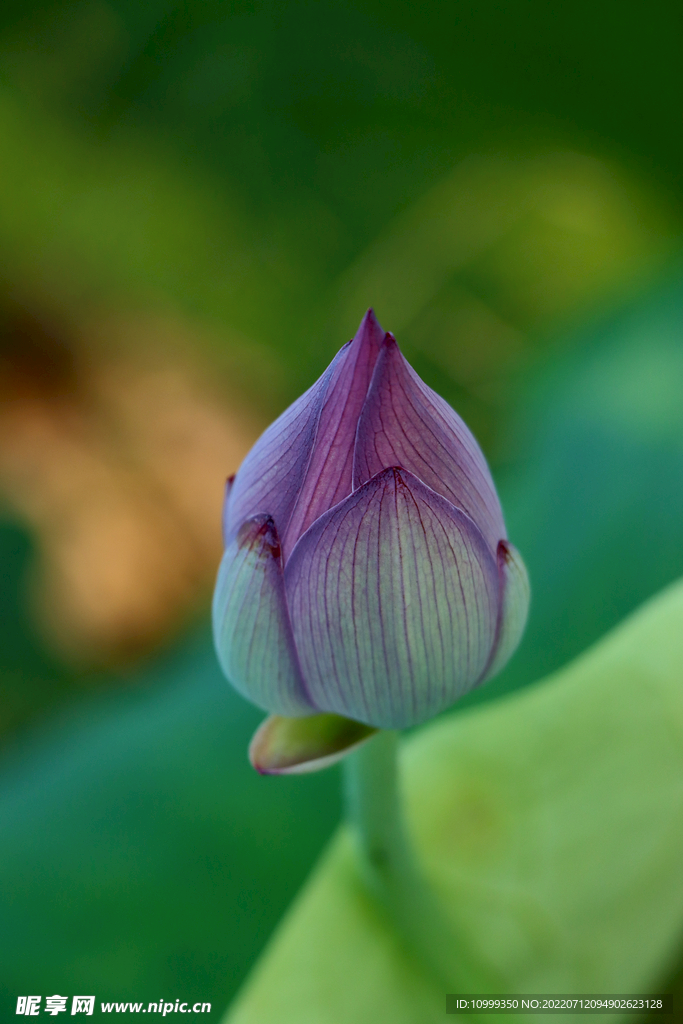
(551, 826)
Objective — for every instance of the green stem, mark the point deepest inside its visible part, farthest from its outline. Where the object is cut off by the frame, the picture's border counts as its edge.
(390, 869)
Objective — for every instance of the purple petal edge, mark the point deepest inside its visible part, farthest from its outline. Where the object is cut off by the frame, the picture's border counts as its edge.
(405, 423)
(329, 476)
(302, 464)
(226, 502)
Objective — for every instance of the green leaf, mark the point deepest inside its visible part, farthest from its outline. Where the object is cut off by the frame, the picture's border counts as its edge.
(550, 825)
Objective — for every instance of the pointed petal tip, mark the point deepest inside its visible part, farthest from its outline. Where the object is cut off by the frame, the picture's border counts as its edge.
(260, 530)
(295, 746)
(506, 553)
(370, 329)
(514, 610)
(404, 422)
(251, 627)
(393, 349)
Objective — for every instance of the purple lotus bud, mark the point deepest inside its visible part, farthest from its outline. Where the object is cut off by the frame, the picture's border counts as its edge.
(366, 573)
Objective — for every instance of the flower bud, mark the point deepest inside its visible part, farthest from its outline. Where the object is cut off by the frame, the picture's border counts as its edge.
(367, 572)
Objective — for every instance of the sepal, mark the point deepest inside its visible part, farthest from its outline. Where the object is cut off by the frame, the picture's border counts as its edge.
(294, 746)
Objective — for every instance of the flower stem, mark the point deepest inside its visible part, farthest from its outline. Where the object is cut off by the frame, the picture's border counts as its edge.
(390, 870)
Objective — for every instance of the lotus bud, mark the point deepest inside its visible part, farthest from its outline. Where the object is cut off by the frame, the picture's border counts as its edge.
(367, 572)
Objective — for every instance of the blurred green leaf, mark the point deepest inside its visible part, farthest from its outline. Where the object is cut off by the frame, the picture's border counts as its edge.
(593, 494)
(29, 676)
(549, 824)
(141, 853)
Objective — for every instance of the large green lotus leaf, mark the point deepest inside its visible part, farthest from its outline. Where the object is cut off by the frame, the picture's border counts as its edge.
(551, 826)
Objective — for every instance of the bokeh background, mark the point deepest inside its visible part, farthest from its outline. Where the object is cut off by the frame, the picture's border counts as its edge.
(198, 201)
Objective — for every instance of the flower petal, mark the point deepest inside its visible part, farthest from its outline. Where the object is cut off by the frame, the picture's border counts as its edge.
(329, 474)
(405, 423)
(226, 499)
(302, 464)
(394, 600)
(292, 746)
(514, 607)
(251, 627)
(270, 478)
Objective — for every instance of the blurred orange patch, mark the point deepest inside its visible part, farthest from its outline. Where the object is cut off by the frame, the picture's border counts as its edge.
(116, 456)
